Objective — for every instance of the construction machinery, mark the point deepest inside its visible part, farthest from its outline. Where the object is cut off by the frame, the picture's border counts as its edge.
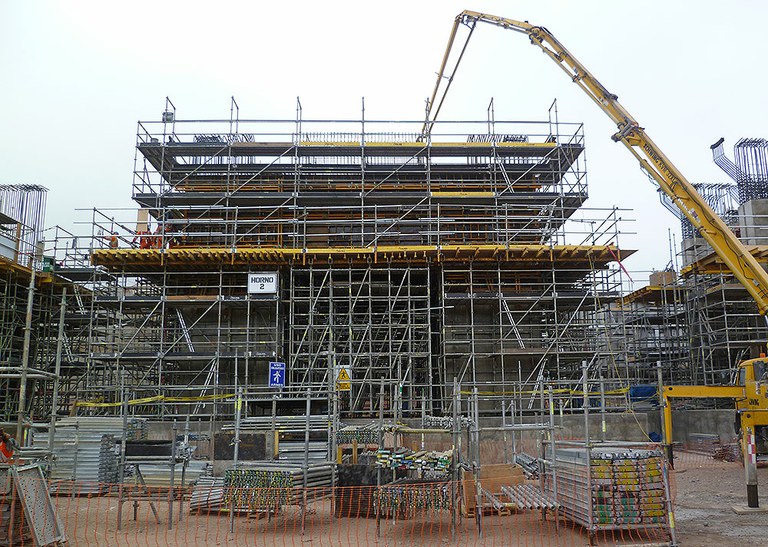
(750, 395)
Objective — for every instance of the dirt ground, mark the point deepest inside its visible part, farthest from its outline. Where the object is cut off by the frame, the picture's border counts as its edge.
(704, 492)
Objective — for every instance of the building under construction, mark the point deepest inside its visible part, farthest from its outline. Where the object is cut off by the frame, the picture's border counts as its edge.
(700, 325)
(31, 321)
(368, 247)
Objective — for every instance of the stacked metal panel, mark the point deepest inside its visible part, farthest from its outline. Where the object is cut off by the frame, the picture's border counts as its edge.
(86, 462)
(444, 422)
(610, 488)
(85, 457)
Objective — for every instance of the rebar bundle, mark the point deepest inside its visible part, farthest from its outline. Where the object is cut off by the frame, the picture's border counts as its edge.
(751, 157)
(25, 204)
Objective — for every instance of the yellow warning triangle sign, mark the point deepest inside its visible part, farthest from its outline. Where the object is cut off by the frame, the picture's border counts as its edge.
(343, 376)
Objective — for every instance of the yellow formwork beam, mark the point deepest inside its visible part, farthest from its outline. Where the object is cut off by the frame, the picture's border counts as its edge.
(595, 255)
(707, 392)
(712, 264)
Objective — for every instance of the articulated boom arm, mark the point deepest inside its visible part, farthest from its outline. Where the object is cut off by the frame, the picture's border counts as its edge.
(711, 227)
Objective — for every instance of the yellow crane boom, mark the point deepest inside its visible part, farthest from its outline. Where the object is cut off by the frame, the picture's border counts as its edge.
(710, 226)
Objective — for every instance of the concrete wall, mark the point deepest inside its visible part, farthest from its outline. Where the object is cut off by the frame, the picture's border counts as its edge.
(686, 422)
(620, 427)
(753, 221)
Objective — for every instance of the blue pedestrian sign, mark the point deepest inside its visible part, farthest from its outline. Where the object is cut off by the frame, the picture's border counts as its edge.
(276, 374)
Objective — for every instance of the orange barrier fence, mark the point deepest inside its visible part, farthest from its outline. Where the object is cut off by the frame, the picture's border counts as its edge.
(410, 515)
(438, 513)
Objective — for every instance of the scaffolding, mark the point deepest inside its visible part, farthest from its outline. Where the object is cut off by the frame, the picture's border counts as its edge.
(653, 322)
(704, 322)
(413, 258)
(32, 313)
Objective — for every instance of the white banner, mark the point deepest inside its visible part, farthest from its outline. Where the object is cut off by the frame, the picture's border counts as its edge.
(262, 283)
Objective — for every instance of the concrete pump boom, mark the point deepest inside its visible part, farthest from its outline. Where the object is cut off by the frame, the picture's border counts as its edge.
(731, 251)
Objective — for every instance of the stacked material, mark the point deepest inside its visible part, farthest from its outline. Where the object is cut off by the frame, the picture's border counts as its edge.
(404, 497)
(423, 460)
(444, 422)
(613, 488)
(85, 462)
(158, 474)
(292, 449)
(529, 465)
(492, 480)
(368, 434)
(258, 486)
(207, 495)
(291, 445)
(317, 422)
(528, 496)
(84, 450)
(703, 443)
(728, 452)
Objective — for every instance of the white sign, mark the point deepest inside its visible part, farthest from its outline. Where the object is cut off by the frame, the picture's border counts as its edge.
(262, 283)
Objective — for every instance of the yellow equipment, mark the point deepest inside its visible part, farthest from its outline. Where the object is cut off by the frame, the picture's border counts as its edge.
(711, 227)
(750, 395)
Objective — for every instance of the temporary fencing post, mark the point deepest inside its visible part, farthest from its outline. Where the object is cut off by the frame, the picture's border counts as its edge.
(172, 463)
(378, 467)
(306, 464)
(476, 464)
(553, 461)
(236, 453)
(455, 455)
(121, 468)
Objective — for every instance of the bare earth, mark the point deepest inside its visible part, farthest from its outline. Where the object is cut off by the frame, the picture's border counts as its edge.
(704, 492)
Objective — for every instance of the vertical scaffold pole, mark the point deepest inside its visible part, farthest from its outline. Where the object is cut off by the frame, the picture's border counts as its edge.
(25, 360)
(455, 433)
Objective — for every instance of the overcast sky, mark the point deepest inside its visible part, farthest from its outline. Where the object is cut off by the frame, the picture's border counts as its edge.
(77, 76)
